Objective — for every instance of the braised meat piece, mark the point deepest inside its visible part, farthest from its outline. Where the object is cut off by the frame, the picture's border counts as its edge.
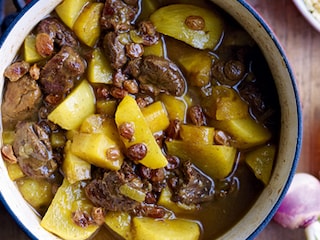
(193, 187)
(59, 74)
(117, 15)
(58, 32)
(151, 211)
(33, 150)
(115, 50)
(16, 70)
(21, 101)
(158, 73)
(104, 192)
(229, 72)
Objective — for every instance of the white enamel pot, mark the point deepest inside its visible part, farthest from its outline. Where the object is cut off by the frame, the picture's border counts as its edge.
(291, 119)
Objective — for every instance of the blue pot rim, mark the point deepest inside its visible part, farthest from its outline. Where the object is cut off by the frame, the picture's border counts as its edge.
(299, 120)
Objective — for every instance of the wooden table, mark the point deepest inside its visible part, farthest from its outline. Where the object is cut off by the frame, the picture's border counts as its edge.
(302, 45)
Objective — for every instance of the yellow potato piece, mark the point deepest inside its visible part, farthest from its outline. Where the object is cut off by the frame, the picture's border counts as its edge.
(165, 201)
(79, 104)
(156, 116)
(99, 68)
(87, 26)
(176, 107)
(156, 49)
(119, 222)
(129, 112)
(31, 54)
(69, 10)
(98, 123)
(14, 171)
(171, 20)
(58, 219)
(245, 132)
(229, 104)
(8, 137)
(261, 162)
(197, 134)
(107, 107)
(197, 67)
(165, 229)
(215, 160)
(226, 104)
(37, 192)
(97, 149)
(74, 168)
(92, 124)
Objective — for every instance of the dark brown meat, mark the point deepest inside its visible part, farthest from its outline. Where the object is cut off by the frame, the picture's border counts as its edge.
(33, 149)
(59, 74)
(105, 192)
(21, 101)
(228, 72)
(61, 35)
(16, 70)
(195, 188)
(159, 73)
(152, 211)
(115, 50)
(117, 15)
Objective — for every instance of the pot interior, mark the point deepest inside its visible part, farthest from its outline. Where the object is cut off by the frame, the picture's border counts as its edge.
(290, 135)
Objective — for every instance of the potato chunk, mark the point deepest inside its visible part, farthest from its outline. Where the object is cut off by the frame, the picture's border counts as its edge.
(99, 68)
(197, 134)
(69, 10)
(97, 149)
(120, 222)
(129, 112)
(245, 132)
(197, 67)
(87, 26)
(58, 219)
(156, 116)
(156, 49)
(99, 123)
(176, 207)
(165, 229)
(176, 107)
(79, 104)
(196, 26)
(37, 192)
(75, 168)
(226, 104)
(14, 171)
(261, 162)
(31, 54)
(215, 160)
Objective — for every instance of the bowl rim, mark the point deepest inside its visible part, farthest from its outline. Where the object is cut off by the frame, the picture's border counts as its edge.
(299, 119)
(298, 145)
(302, 7)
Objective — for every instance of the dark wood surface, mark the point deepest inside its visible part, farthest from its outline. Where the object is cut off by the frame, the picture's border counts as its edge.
(302, 46)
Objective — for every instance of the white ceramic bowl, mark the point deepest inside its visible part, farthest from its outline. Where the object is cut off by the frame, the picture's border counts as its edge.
(291, 129)
(302, 7)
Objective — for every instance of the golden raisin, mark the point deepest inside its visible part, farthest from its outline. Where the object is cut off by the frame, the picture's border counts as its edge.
(195, 22)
